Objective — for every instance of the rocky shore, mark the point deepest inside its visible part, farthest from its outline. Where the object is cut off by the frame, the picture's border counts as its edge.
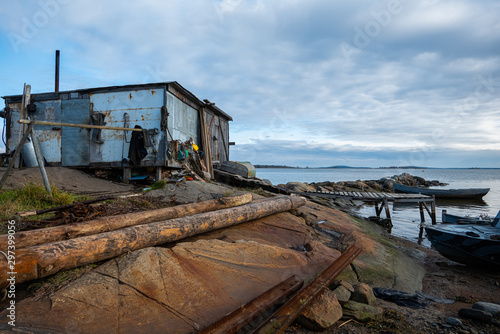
(185, 286)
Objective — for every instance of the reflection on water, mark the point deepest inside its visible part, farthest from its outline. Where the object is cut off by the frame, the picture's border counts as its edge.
(406, 218)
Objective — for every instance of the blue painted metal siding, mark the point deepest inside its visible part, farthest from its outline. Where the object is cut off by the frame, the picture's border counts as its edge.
(50, 137)
(75, 141)
(143, 108)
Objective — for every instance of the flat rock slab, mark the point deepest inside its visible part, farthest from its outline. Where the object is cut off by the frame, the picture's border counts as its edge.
(178, 290)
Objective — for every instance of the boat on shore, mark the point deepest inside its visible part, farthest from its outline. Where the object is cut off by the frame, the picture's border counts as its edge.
(470, 193)
(469, 244)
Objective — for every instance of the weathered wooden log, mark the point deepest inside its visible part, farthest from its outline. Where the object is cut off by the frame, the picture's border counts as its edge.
(47, 259)
(106, 224)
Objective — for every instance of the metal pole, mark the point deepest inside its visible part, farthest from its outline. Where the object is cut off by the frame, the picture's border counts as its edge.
(56, 89)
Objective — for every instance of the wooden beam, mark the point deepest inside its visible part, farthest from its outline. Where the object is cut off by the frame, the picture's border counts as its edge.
(285, 315)
(84, 126)
(105, 224)
(41, 162)
(243, 315)
(47, 259)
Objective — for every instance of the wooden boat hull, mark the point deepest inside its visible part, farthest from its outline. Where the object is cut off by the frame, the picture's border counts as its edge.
(471, 193)
(466, 246)
(447, 218)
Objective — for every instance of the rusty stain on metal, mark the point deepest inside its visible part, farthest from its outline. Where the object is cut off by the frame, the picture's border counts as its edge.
(285, 315)
(45, 136)
(130, 96)
(237, 319)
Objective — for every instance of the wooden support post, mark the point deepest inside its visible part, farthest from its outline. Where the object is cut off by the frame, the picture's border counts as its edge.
(22, 127)
(16, 154)
(41, 163)
(159, 171)
(421, 234)
(127, 174)
(422, 214)
(377, 210)
(433, 210)
(388, 214)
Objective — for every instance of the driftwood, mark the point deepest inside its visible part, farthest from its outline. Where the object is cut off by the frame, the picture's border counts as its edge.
(105, 224)
(47, 259)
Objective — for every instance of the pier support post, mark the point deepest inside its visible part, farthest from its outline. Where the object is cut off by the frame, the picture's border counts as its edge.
(433, 209)
(385, 203)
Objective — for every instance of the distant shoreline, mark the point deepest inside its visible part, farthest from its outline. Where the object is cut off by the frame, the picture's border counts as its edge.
(350, 167)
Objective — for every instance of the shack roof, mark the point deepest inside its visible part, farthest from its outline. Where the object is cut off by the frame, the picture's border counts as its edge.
(174, 84)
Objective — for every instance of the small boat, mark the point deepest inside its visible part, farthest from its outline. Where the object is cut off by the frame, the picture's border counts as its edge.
(469, 244)
(448, 218)
(242, 168)
(470, 193)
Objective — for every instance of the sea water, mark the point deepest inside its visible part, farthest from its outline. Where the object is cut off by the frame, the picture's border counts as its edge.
(405, 218)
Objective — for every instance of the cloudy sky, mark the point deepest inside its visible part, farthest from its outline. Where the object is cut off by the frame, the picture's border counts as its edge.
(308, 83)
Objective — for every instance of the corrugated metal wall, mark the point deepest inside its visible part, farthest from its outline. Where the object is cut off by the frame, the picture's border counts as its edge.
(183, 120)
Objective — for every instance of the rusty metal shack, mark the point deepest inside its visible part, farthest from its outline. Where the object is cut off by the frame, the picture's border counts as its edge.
(168, 113)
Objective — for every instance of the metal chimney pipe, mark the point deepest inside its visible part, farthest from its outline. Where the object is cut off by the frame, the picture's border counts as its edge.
(57, 71)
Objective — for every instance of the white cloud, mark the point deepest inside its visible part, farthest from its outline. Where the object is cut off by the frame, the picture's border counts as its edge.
(277, 67)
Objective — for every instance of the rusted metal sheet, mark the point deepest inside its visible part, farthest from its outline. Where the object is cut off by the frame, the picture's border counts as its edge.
(286, 314)
(126, 109)
(243, 315)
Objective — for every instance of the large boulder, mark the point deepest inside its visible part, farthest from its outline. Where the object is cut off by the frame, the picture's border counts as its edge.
(362, 312)
(343, 290)
(492, 308)
(363, 294)
(322, 313)
(474, 314)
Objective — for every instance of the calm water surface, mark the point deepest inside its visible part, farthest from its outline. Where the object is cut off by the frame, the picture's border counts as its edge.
(406, 219)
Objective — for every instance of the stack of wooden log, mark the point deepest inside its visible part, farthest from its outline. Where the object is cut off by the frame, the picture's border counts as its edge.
(43, 252)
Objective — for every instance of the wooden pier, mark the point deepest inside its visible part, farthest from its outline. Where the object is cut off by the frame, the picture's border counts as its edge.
(381, 201)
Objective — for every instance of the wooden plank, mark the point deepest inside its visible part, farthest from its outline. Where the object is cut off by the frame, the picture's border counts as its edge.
(237, 319)
(286, 314)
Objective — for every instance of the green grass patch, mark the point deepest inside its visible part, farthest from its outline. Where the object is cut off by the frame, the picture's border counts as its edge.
(32, 197)
(159, 185)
